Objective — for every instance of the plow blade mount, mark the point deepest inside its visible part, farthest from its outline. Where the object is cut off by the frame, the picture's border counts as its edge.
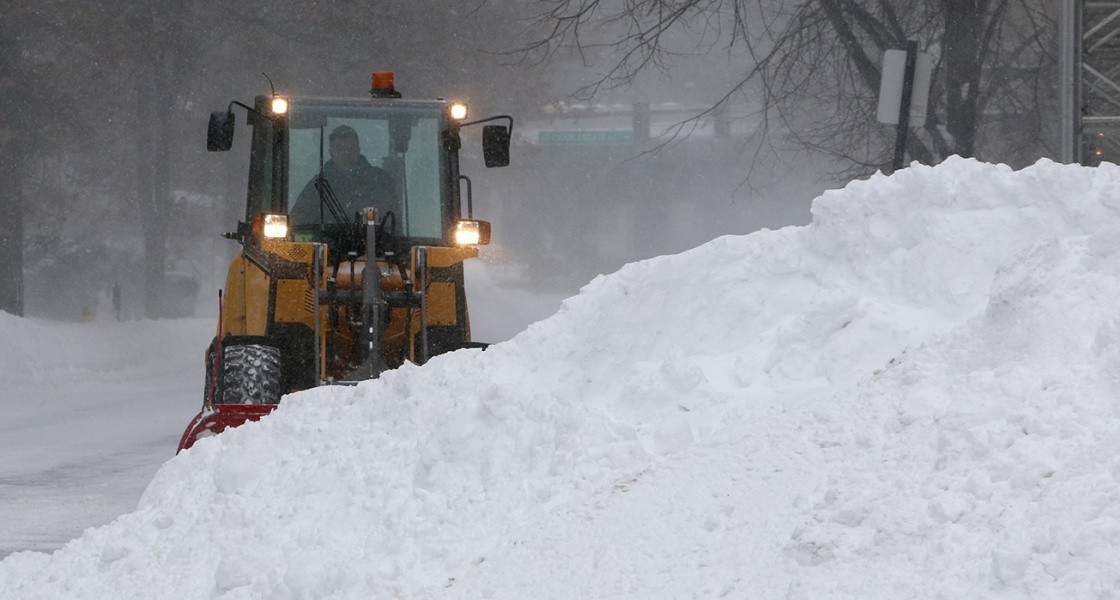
(221, 417)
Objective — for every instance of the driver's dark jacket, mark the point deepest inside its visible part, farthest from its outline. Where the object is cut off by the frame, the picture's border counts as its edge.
(357, 188)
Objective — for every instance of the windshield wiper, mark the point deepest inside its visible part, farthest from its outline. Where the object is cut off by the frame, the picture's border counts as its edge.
(328, 199)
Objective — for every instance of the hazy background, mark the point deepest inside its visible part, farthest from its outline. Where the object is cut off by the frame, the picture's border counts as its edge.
(104, 118)
(116, 82)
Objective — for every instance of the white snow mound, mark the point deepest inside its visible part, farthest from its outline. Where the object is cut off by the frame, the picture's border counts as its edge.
(916, 395)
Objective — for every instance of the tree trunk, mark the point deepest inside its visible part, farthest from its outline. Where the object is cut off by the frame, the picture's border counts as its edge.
(963, 64)
(12, 167)
(11, 231)
(146, 191)
(155, 102)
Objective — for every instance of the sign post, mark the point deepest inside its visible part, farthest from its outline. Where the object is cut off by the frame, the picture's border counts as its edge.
(904, 94)
(904, 106)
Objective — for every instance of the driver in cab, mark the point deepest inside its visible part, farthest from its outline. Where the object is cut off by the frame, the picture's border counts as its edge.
(348, 181)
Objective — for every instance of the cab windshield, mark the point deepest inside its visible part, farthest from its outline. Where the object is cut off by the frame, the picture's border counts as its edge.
(343, 159)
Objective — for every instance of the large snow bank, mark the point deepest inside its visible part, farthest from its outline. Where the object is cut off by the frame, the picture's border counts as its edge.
(914, 396)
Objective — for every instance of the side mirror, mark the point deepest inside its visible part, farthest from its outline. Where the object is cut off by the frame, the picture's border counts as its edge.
(495, 145)
(219, 135)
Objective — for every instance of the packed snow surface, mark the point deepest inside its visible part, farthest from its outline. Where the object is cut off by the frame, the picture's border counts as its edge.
(88, 413)
(916, 395)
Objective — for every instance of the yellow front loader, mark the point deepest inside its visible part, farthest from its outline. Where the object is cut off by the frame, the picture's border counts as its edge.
(352, 246)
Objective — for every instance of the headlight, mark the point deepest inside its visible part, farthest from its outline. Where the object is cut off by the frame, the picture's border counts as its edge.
(458, 111)
(472, 233)
(279, 105)
(275, 226)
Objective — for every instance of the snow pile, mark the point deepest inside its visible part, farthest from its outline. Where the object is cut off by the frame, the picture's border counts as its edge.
(914, 396)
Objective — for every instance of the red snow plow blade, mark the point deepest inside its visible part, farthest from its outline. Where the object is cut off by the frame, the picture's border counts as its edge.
(221, 417)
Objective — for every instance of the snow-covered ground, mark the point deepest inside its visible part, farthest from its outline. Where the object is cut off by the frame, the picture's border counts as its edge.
(88, 413)
(914, 396)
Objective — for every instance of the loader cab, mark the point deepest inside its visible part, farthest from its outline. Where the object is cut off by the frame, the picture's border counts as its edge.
(410, 147)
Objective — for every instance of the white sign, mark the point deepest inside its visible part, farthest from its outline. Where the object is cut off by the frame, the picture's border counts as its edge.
(890, 88)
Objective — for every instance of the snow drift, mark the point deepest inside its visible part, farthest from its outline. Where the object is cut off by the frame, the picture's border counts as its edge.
(914, 396)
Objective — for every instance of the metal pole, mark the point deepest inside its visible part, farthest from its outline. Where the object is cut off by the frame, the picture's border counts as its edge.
(422, 282)
(904, 107)
(316, 261)
(371, 296)
(1069, 84)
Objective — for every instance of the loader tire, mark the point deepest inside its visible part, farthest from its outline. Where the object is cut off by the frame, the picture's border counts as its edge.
(251, 375)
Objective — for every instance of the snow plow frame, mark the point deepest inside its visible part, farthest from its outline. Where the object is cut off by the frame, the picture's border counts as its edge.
(219, 418)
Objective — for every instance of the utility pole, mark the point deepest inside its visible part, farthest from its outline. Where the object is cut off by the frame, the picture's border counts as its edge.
(1069, 76)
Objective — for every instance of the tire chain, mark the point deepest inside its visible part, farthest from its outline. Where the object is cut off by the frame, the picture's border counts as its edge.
(251, 375)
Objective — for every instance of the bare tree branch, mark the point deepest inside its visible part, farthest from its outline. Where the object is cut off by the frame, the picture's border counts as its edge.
(814, 64)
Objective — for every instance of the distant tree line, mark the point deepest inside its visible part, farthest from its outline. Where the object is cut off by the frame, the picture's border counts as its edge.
(105, 104)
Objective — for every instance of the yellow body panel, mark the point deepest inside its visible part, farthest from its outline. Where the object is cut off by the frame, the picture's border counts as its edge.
(246, 283)
(441, 303)
(390, 276)
(295, 302)
(247, 298)
(442, 256)
(297, 252)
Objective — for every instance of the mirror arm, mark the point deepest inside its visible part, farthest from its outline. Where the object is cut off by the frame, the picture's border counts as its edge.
(246, 107)
(487, 120)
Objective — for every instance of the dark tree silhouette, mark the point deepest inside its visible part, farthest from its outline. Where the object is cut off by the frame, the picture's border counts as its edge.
(104, 109)
(815, 65)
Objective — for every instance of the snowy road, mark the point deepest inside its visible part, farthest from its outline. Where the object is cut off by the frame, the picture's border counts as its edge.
(88, 413)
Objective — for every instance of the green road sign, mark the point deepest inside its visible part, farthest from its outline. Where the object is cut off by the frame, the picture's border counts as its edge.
(587, 137)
